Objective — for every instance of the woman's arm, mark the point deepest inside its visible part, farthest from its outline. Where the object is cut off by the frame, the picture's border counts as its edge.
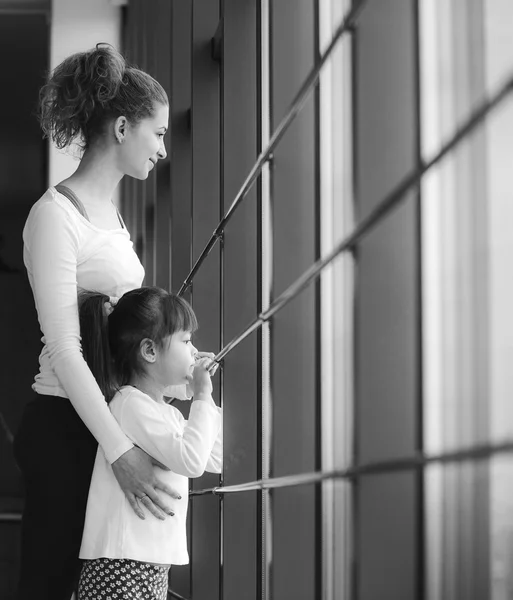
(52, 242)
(53, 245)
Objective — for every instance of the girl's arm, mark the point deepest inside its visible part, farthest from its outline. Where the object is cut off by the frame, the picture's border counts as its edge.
(215, 460)
(182, 446)
(52, 241)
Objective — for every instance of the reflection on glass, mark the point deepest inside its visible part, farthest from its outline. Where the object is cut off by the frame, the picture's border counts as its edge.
(467, 225)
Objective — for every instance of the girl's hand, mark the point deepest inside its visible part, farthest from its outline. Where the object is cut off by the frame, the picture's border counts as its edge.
(201, 383)
(135, 474)
(213, 365)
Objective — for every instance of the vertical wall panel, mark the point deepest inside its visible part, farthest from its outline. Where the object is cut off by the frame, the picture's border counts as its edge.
(139, 186)
(180, 154)
(162, 210)
(240, 293)
(181, 169)
(149, 23)
(295, 328)
(22, 181)
(387, 317)
(205, 123)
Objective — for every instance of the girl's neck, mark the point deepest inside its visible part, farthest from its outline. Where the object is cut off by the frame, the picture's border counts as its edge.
(148, 386)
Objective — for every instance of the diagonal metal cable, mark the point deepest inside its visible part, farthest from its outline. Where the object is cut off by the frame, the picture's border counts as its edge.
(176, 595)
(418, 461)
(295, 108)
(383, 208)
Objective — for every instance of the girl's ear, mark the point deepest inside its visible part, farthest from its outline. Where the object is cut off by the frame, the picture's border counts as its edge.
(120, 129)
(148, 350)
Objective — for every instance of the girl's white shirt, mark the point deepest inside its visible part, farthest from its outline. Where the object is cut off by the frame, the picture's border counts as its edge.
(64, 252)
(187, 447)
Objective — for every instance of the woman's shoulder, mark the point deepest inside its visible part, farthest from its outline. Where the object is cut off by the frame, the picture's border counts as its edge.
(50, 205)
(50, 218)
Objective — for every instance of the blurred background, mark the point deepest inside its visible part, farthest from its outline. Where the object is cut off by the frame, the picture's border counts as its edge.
(370, 419)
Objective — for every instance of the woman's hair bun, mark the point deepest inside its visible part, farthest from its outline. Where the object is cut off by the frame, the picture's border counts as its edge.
(88, 88)
(103, 72)
(78, 92)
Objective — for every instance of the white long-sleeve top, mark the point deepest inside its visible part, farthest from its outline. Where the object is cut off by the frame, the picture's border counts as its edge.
(62, 252)
(187, 447)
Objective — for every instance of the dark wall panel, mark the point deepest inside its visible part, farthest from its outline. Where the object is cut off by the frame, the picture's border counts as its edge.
(205, 130)
(294, 329)
(387, 302)
(386, 565)
(180, 145)
(24, 56)
(239, 98)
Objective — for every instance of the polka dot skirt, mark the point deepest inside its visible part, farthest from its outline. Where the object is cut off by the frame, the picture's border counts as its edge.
(122, 579)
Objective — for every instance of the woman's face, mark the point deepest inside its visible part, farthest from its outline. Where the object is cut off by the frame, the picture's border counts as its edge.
(143, 143)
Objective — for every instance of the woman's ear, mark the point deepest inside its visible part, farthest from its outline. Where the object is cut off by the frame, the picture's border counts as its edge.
(120, 129)
(148, 350)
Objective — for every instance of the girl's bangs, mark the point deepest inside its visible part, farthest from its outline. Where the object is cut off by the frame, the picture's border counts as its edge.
(178, 315)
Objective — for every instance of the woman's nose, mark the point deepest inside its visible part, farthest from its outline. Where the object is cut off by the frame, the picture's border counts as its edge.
(162, 151)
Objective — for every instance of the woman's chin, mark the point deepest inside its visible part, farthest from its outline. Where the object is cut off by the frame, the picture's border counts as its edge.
(140, 175)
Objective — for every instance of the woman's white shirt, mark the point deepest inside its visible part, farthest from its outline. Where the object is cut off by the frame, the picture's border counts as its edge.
(186, 447)
(63, 251)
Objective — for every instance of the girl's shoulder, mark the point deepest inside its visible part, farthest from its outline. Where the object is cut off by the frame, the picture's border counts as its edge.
(129, 395)
(130, 399)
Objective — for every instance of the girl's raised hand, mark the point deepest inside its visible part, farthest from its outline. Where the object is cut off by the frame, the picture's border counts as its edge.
(201, 383)
(213, 365)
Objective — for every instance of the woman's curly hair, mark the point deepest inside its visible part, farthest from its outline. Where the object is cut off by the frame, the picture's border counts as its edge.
(90, 88)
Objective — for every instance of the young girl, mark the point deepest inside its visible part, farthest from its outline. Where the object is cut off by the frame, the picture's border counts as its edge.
(137, 349)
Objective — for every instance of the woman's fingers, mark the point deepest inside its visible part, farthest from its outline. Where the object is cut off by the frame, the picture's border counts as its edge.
(159, 485)
(154, 504)
(132, 500)
(135, 475)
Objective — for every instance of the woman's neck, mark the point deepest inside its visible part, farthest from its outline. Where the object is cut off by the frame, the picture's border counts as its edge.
(96, 177)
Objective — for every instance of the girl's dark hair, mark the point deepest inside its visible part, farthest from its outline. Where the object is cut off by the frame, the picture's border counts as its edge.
(111, 344)
(88, 89)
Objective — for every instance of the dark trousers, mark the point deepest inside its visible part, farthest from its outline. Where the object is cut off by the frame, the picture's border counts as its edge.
(56, 453)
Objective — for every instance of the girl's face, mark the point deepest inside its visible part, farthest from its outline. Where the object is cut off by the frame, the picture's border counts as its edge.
(143, 143)
(175, 360)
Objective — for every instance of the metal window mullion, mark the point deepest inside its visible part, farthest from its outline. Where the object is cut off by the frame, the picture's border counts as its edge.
(220, 31)
(265, 299)
(328, 534)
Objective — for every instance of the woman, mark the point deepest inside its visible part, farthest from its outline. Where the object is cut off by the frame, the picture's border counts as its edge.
(74, 238)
